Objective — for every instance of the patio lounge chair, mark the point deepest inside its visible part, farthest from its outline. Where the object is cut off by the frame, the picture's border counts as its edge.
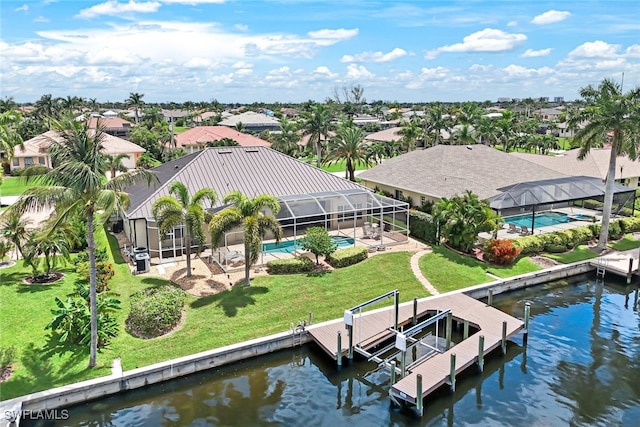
(524, 231)
(513, 229)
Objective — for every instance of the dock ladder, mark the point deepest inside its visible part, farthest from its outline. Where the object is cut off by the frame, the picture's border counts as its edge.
(297, 332)
(601, 267)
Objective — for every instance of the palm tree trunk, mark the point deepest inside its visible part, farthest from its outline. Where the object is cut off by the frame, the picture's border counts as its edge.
(91, 249)
(247, 265)
(608, 197)
(187, 246)
(318, 151)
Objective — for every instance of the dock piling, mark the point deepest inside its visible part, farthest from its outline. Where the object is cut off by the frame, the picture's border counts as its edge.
(490, 297)
(448, 336)
(350, 350)
(635, 298)
(403, 364)
(419, 400)
(415, 310)
(630, 271)
(310, 318)
(481, 352)
(393, 372)
(396, 300)
(465, 334)
(503, 344)
(339, 347)
(527, 315)
(452, 375)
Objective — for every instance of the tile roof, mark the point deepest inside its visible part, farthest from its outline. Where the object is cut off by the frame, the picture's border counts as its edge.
(390, 134)
(112, 145)
(109, 123)
(446, 170)
(251, 118)
(596, 163)
(252, 171)
(200, 135)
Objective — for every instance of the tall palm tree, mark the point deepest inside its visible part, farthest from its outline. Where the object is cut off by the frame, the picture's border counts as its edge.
(506, 129)
(348, 146)
(180, 209)
(47, 108)
(256, 216)
(316, 122)
(14, 229)
(77, 186)
(410, 131)
(487, 131)
(463, 135)
(287, 140)
(436, 122)
(115, 165)
(9, 137)
(610, 115)
(135, 101)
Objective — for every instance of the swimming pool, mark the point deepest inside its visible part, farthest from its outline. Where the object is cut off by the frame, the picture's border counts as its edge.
(542, 219)
(290, 246)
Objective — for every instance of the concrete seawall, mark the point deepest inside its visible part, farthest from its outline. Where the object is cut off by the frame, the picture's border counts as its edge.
(72, 394)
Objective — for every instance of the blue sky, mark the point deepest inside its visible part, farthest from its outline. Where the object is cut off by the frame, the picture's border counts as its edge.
(293, 51)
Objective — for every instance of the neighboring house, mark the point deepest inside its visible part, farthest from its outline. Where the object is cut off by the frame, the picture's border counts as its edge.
(387, 135)
(365, 119)
(447, 170)
(253, 122)
(112, 125)
(172, 115)
(308, 196)
(36, 150)
(548, 113)
(195, 139)
(595, 164)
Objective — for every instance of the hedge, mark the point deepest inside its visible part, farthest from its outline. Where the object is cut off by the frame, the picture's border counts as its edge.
(423, 226)
(346, 257)
(155, 311)
(290, 266)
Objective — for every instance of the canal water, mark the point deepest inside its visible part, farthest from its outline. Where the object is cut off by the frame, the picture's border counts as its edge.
(581, 367)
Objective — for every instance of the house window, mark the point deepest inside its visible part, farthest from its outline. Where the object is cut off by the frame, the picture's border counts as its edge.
(16, 162)
(423, 199)
(28, 161)
(41, 160)
(399, 195)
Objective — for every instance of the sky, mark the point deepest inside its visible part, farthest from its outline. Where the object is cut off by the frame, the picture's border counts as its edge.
(245, 51)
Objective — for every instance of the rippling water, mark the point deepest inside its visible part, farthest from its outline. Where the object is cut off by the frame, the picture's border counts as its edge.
(581, 367)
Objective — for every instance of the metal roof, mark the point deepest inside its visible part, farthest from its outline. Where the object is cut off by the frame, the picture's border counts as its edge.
(250, 170)
(557, 190)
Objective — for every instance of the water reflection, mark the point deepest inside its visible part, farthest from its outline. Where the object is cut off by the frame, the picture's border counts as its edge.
(581, 367)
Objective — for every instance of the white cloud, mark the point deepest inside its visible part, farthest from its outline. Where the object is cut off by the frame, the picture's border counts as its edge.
(530, 53)
(24, 8)
(602, 57)
(375, 56)
(512, 24)
(333, 35)
(550, 17)
(355, 72)
(113, 7)
(325, 71)
(487, 40)
(596, 49)
(241, 27)
(523, 72)
(41, 19)
(193, 2)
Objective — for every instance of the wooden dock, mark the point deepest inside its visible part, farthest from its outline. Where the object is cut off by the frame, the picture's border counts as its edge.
(374, 327)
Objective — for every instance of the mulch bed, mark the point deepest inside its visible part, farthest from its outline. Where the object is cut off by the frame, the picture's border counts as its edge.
(51, 278)
(7, 264)
(5, 374)
(176, 327)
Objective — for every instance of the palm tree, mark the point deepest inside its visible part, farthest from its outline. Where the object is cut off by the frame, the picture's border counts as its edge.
(609, 112)
(316, 122)
(464, 135)
(410, 132)
(348, 146)
(14, 230)
(135, 101)
(47, 108)
(115, 165)
(77, 186)
(179, 209)
(435, 123)
(9, 137)
(255, 219)
(287, 140)
(487, 130)
(506, 129)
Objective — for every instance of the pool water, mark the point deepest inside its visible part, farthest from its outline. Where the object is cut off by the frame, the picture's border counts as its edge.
(542, 219)
(290, 246)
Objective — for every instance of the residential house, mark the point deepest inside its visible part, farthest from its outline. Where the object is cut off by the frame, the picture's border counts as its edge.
(195, 139)
(112, 125)
(253, 122)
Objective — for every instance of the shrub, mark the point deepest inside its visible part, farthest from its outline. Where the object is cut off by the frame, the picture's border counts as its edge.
(615, 231)
(501, 251)
(581, 235)
(155, 311)
(7, 357)
(101, 255)
(346, 257)
(318, 242)
(290, 266)
(529, 245)
(629, 225)
(423, 226)
(554, 242)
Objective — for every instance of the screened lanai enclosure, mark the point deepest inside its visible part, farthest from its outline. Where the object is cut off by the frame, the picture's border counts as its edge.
(351, 216)
(560, 200)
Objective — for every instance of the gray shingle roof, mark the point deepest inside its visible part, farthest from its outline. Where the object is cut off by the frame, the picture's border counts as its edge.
(250, 170)
(446, 170)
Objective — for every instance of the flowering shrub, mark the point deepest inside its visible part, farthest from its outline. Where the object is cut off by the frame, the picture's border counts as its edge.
(502, 252)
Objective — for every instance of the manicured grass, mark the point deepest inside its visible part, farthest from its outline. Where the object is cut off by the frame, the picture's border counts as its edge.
(341, 167)
(625, 244)
(580, 253)
(268, 306)
(448, 270)
(12, 186)
(180, 129)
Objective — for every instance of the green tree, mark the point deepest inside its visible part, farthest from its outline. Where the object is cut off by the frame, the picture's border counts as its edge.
(316, 123)
(9, 136)
(613, 116)
(5, 249)
(410, 131)
(14, 229)
(135, 101)
(181, 209)
(255, 216)
(461, 218)
(464, 135)
(77, 186)
(115, 165)
(287, 140)
(436, 122)
(348, 146)
(318, 242)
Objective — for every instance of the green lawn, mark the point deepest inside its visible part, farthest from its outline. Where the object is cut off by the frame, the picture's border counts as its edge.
(341, 167)
(448, 270)
(625, 244)
(580, 253)
(180, 129)
(12, 186)
(268, 306)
